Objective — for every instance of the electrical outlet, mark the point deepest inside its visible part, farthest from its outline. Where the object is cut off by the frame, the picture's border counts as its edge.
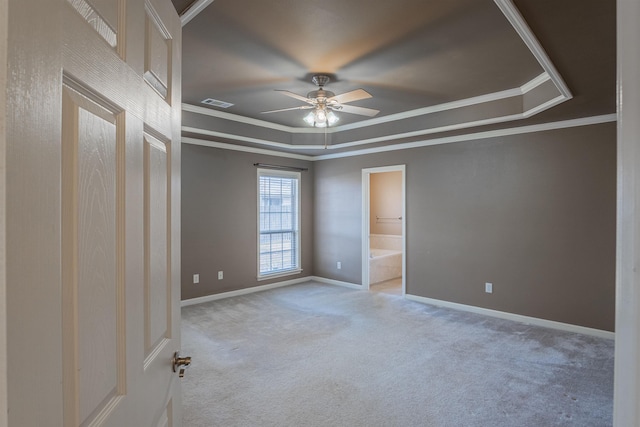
(196, 278)
(488, 288)
(220, 275)
(339, 265)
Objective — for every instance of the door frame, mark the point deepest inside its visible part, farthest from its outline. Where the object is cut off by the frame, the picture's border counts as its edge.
(627, 346)
(366, 226)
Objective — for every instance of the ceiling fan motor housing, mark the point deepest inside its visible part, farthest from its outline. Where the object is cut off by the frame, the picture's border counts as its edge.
(320, 95)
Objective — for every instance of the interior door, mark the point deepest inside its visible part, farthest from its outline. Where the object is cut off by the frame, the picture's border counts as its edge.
(93, 214)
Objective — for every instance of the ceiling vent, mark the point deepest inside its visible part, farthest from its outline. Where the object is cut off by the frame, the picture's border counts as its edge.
(216, 103)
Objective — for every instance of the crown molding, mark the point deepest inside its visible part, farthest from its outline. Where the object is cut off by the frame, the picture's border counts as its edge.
(193, 11)
(360, 142)
(544, 106)
(467, 102)
(534, 83)
(564, 124)
(248, 120)
(511, 12)
(250, 140)
(234, 147)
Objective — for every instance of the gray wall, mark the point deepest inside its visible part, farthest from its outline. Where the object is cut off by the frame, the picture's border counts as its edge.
(534, 214)
(219, 219)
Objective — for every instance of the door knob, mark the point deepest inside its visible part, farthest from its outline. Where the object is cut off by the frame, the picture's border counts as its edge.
(180, 363)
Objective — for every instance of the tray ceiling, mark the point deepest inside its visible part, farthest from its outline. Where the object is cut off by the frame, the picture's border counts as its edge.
(432, 67)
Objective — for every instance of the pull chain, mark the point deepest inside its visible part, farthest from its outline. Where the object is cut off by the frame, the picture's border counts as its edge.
(325, 137)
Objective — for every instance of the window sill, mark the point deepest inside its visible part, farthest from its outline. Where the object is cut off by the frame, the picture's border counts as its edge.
(279, 274)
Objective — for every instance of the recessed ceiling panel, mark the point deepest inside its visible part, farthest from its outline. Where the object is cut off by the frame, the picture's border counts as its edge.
(407, 54)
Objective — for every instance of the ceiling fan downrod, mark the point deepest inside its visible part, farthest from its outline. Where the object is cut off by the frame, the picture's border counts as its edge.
(320, 80)
(320, 95)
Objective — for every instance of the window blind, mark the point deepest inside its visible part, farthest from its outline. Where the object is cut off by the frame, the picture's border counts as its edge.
(278, 222)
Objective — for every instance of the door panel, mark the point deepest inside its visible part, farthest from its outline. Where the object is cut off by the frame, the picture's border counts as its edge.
(157, 289)
(101, 15)
(91, 271)
(93, 182)
(106, 9)
(157, 64)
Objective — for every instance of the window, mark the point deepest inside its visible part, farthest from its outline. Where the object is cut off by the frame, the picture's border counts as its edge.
(278, 223)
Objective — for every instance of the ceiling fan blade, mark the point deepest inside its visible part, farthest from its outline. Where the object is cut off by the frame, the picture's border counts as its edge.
(358, 110)
(295, 95)
(354, 95)
(302, 107)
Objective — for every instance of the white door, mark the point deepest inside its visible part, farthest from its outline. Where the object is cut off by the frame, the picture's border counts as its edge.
(92, 213)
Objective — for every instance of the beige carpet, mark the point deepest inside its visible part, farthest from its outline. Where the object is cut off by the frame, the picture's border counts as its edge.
(319, 355)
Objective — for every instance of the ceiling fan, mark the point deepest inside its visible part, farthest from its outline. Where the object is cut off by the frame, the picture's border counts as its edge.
(324, 103)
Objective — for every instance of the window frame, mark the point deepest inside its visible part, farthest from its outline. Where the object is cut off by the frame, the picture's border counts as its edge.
(297, 177)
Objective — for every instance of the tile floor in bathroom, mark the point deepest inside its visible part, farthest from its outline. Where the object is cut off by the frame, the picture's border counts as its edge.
(393, 286)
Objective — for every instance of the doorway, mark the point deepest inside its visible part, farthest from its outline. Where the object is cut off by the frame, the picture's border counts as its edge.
(384, 229)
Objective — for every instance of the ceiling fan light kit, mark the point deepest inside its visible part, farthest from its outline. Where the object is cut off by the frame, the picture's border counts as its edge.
(323, 103)
(321, 118)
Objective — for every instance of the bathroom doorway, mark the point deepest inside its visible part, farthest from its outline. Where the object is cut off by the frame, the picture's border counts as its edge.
(384, 229)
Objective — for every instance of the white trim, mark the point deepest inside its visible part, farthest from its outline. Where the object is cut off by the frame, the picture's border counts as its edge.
(279, 275)
(429, 131)
(233, 147)
(251, 140)
(481, 99)
(514, 17)
(423, 300)
(626, 394)
(586, 121)
(514, 317)
(253, 289)
(336, 282)
(534, 83)
(366, 226)
(261, 288)
(249, 121)
(447, 128)
(296, 177)
(366, 229)
(193, 11)
(544, 106)
(466, 102)
(477, 135)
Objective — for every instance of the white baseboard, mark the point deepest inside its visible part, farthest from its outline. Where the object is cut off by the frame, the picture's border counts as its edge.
(514, 317)
(336, 282)
(214, 297)
(456, 306)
